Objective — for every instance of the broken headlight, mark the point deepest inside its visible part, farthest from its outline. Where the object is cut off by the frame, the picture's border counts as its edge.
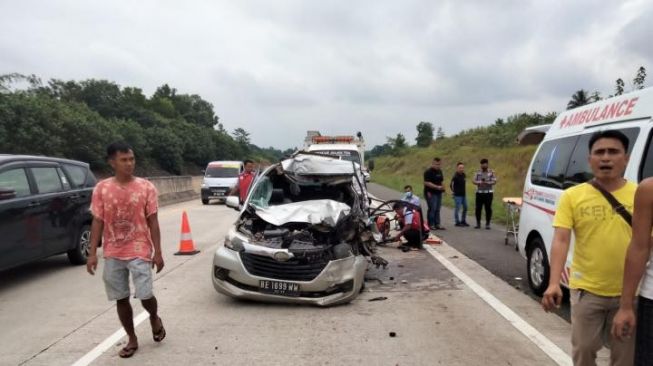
(235, 243)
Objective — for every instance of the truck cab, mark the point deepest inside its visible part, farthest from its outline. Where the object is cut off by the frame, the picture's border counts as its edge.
(344, 147)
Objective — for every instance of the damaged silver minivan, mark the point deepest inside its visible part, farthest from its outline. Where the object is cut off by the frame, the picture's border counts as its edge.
(303, 235)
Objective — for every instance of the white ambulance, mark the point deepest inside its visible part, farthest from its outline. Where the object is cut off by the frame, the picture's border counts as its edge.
(561, 161)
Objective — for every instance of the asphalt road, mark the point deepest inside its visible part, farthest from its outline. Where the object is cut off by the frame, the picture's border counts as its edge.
(53, 313)
(486, 247)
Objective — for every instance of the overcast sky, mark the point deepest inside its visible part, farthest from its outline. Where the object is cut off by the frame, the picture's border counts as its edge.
(279, 68)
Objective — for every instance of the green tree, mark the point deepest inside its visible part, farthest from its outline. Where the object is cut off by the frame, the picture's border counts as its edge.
(78, 119)
(398, 144)
(6, 80)
(379, 150)
(424, 134)
(195, 110)
(242, 137)
(440, 134)
(619, 88)
(166, 149)
(102, 96)
(595, 97)
(580, 98)
(638, 81)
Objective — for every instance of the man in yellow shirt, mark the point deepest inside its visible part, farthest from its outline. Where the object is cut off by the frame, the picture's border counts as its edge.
(602, 237)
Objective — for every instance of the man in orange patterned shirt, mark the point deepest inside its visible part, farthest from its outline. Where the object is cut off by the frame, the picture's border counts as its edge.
(125, 216)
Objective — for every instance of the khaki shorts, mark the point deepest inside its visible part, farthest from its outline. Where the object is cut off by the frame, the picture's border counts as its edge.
(116, 278)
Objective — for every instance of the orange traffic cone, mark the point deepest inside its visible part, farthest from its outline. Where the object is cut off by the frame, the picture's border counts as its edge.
(186, 245)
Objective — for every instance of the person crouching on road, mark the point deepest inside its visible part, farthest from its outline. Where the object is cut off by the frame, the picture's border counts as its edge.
(602, 237)
(414, 230)
(124, 211)
(245, 180)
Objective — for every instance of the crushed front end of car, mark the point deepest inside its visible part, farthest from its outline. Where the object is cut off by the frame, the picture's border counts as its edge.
(304, 236)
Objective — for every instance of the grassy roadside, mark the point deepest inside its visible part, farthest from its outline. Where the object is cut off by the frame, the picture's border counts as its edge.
(509, 164)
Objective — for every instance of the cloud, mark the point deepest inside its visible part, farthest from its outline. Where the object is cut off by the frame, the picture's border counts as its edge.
(280, 68)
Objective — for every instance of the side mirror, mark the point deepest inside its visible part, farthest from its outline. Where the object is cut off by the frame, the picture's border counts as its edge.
(203, 171)
(370, 165)
(7, 194)
(233, 202)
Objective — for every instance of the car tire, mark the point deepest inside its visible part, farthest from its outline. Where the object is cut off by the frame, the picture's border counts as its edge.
(205, 201)
(79, 253)
(537, 266)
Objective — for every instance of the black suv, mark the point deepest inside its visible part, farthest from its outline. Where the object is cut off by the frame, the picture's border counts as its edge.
(44, 209)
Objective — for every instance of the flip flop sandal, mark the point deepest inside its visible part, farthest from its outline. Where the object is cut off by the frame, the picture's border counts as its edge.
(127, 352)
(160, 334)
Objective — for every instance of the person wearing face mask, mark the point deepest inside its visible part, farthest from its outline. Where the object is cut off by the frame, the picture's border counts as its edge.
(409, 196)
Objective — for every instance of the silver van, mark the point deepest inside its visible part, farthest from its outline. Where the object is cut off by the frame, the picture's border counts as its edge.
(219, 178)
(304, 235)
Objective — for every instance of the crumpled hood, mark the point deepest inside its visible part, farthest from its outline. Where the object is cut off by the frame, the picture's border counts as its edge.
(327, 212)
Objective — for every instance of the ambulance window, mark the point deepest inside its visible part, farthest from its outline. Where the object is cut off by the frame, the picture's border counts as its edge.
(579, 170)
(647, 166)
(550, 163)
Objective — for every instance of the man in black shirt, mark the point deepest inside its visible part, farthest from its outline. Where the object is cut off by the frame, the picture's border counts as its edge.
(433, 190)
(457, 186)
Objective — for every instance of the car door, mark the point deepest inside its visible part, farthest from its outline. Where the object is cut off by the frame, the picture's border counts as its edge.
(52, 205)
(19, 222)
(81, 182)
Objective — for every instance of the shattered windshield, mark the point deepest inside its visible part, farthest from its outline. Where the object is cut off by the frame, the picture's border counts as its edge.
(262, 193)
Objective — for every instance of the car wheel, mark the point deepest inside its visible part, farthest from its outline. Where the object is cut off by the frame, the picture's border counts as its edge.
(79, 253)
(537, 266)
(205, 201)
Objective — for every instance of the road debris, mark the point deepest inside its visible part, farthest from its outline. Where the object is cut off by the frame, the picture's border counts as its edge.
(380, 298)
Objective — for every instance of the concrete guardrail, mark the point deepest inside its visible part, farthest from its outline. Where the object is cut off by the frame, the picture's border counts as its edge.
(173, 189)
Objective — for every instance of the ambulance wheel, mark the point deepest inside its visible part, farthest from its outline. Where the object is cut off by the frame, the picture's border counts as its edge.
(537, 266)
(205, 201)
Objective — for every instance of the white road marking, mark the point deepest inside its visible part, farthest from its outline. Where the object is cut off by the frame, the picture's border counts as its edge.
(551, 349)
(109, 342)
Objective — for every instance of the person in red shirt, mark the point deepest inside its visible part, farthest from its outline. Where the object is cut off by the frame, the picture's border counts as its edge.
(125, 216)
(414, 228)
(245, 180)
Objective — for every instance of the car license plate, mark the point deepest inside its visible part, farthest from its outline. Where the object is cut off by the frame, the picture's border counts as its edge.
(279, 288)
(218, 193)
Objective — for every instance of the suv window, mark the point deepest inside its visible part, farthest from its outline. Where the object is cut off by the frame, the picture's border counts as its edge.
(550, 163)
(579, 170)
(77, 174)
(47, 180)
(15, 179)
